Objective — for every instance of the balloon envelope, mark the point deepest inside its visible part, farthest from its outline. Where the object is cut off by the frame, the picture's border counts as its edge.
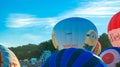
(74, 57)
(111, 56)
(97, 48)
(114, 30)
(74, 32)
(8, 58)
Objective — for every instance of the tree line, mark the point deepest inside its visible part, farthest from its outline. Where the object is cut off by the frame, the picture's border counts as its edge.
(33, 50)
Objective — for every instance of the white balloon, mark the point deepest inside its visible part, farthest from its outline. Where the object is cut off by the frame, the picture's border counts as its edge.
(8, 58)
(111, 56)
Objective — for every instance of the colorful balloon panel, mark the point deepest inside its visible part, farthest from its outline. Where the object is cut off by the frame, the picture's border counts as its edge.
(97, 48)
(74, 57)
(111, 56)
(74, 32)
(1, 60)
(8, 58)
(114, 30)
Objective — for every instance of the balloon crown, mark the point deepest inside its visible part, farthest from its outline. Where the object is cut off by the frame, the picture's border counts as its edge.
(74, 57)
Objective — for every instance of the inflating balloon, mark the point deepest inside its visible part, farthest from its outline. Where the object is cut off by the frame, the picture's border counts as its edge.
(74, 32)
(74, 57)
(97, 48)
(111, 56)
(8, 58)
(114, 30)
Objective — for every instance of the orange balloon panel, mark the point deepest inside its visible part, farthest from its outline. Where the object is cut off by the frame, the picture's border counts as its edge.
(97, 48)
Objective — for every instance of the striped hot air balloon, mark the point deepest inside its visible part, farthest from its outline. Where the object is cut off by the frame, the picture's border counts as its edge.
(111, 56)
(74, 57)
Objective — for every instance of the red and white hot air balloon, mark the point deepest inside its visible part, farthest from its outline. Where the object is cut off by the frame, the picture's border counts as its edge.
(114, 30)
(111, 56)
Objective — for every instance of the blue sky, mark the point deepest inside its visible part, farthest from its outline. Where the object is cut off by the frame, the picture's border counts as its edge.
(31, 21)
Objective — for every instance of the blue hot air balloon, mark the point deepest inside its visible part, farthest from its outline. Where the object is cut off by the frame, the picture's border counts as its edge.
(74, 32)
(74, 57)
(8, 58)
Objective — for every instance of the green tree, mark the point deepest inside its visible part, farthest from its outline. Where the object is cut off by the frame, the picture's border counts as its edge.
(103, 39)
(32, 50)
(47, 45)
(118, 64)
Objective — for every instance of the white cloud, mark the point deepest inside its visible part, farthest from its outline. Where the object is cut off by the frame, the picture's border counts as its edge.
(95, 9)
(26, 20)
(103, 8)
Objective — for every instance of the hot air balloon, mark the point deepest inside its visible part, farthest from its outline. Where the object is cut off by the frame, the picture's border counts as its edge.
(111, 56)
(114, 30)
(8, 58)
(74, 57)
(74, 32)
(97, 48)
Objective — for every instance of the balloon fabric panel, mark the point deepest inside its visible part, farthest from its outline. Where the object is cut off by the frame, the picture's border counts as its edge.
(66, 56)
(97, 48)
(81, 60)
(8, 58)
(59, 57)
(77, 57)
(111, 56)
(114, 22)
(74, 56)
